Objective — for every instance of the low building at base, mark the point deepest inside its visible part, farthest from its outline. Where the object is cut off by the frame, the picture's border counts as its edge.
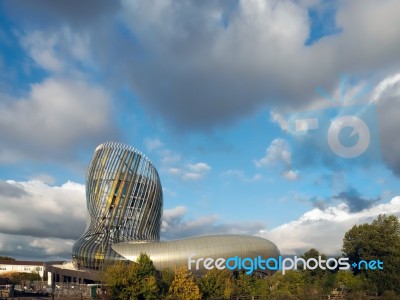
(20, 266)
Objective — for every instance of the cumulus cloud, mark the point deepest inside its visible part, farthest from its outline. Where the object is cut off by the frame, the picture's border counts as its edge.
(39, 221)
(321, 228)
(36, 209)
(192, 64)
(190, 171)
(52, 51)
(152, 144)
(278, 153)
(27, 247)
(55, 120)
(324, 229)
(173, 164)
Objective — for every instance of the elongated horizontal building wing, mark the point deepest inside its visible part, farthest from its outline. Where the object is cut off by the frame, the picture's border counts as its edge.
(176, 253)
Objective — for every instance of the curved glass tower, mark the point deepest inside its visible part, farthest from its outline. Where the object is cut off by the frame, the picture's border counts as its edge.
(124, 201)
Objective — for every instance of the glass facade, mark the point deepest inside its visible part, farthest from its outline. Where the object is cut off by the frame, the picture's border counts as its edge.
(124, 201)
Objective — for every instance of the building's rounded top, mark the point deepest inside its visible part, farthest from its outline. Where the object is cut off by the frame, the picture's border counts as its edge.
(118, 145)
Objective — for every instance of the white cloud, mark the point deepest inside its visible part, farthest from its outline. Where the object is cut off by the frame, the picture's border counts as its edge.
(41, 221)
(324, 229)
(52, 50)
(277, 152)
(172, 164)
(52, 247)
(280, 120)
(291, 175)
(174, 171)
(191, 176)
(152, 144)
(57, 118)
(36, 209)
(199, 167)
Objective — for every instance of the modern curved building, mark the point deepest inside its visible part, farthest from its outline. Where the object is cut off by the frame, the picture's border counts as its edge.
(124, 200)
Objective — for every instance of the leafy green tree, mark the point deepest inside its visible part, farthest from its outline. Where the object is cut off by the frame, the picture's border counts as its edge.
(145, 266)
(150, 289)
(184, 286)
(293, 282)
(217, 283)
(378, 240)
(318, 280)
(117, 278)
(245, 284)
(6, 258)
(347, 281)
(127, 280)
(167, 276)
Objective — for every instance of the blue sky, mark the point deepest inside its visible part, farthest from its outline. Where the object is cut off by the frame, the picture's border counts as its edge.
(210, 92)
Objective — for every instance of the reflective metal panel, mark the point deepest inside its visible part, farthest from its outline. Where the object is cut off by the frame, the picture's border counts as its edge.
(170, 254)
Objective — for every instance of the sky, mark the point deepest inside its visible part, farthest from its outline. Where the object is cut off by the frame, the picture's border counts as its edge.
(275, 118)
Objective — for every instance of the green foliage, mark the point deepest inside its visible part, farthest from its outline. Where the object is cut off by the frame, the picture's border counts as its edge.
(293, 282)
(6, 258)
(184, 286)
(217, 283)
(378, 240)
(17, 278)
(167, 276)
(149, 288)
(346, 280)
(132, 280)
(145, 266)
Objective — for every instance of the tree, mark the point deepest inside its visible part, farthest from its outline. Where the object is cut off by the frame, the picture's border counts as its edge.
(167, 276)
(379, 240)
(184, 287)
(6, 258)
(116, 276)
(217, 283)
(149, 288)
(127, 280)
(347, 281)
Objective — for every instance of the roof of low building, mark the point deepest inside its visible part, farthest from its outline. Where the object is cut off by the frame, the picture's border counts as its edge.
(21, 263)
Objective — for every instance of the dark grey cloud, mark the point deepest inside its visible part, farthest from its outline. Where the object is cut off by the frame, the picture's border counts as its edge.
(11, 190)
(355, 201)
(73, 12)
(388, 108)
(31, 248)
